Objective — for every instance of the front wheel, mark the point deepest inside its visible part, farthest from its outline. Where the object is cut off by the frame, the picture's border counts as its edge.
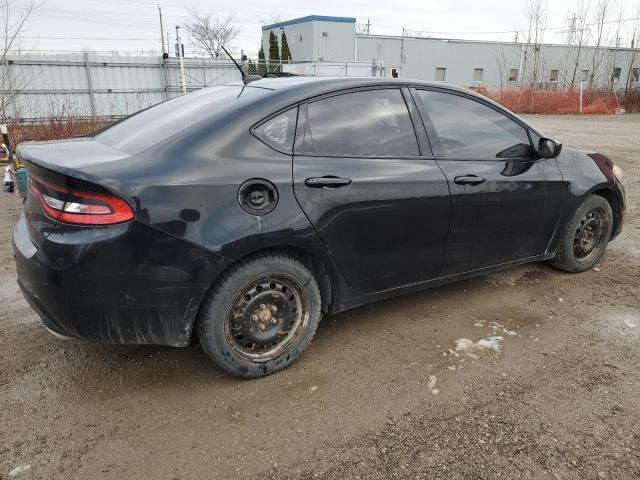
(260, 315)
(586, 236)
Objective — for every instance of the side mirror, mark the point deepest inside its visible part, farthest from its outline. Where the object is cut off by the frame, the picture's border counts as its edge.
(548, 148)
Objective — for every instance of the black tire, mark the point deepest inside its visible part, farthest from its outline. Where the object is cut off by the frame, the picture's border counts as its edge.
(581, 248)
(236, 326)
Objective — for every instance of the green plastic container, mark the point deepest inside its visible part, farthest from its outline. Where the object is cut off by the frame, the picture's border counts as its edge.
(21, 180)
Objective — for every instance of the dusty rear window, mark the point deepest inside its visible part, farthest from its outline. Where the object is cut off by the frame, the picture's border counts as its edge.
(144, 129)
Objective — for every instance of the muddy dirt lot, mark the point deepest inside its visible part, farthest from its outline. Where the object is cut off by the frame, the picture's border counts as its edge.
(381, 393)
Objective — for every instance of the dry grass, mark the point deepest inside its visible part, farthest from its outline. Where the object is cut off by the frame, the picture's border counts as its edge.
(631, 101)
(555, 101)
(63, 120)
(54, 128)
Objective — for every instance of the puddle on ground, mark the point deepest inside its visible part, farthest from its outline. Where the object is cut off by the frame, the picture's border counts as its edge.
(623, 323)
(627, 320)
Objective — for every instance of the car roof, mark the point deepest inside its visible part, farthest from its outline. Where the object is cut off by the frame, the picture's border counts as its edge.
(317, 85)
(299, 88)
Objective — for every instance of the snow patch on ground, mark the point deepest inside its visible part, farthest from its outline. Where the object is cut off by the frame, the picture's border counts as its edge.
(19, 469)
(431, 385)
(492, 345)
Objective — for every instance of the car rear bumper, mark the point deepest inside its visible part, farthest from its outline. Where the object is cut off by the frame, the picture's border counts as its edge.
(125, 284)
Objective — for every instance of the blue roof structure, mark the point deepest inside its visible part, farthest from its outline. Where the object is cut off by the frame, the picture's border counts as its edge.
(310, 18)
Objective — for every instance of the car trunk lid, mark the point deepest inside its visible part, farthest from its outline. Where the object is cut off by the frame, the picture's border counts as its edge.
(54, 167)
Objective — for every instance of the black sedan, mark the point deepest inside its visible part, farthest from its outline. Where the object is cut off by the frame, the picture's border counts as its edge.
(246, 212)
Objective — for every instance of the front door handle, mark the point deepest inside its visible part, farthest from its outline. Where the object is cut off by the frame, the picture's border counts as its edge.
(469, 180)
(327, 181)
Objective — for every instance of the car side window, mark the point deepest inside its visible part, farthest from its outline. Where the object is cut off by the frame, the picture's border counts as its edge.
(467, 129)
(279, 131)
(365, 123)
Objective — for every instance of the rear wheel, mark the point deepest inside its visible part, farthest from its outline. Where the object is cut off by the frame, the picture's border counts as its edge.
(586, 236)
(260, 315)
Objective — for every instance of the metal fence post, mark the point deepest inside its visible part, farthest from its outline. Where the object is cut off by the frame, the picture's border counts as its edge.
(92, 101)
(163, 78)
(12, 92)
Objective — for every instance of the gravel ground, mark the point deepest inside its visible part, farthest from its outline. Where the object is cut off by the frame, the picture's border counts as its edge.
(385, 391)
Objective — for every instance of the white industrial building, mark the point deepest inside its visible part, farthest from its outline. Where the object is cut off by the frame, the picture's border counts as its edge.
(330, 46)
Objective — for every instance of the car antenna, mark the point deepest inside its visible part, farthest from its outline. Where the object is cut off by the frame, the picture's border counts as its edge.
(245, 78)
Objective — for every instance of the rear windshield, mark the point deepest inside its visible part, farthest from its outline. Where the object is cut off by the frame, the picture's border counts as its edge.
(153, 125)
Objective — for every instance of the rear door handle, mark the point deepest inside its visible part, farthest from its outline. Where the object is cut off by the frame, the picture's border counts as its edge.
(469, 180)
(327, 181)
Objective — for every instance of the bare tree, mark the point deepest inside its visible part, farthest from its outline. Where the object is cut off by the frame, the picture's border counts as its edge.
(536, 17)
(209, 33)
(599, 38)
(361, 29)
(634, 34)
(274, 17)
(506, 57)
(13, 21)
(364, 28)
(577, 35)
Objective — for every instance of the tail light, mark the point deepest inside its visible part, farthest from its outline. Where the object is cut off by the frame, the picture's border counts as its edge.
(80, 207)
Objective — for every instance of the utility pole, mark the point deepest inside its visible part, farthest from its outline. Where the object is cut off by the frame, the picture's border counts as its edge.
(179, 51)
(161, 29)
(368, 26)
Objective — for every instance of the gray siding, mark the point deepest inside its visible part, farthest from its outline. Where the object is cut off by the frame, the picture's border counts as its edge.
(420, 57)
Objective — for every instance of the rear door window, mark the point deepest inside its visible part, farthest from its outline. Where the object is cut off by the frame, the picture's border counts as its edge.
(365, 123)
(467, 129)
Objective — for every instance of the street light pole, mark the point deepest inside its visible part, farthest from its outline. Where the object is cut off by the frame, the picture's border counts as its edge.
(161, 30)
(179, 47)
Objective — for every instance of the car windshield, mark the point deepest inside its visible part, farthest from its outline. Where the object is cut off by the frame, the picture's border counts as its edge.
(149, 127)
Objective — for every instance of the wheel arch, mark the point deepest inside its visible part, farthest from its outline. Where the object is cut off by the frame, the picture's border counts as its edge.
(322, 269)
(616, 203)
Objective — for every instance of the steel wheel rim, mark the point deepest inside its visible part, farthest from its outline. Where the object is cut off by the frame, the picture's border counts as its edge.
(257, 331)
(590, 235)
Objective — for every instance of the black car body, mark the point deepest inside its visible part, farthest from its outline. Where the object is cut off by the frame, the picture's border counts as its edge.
(374, 203)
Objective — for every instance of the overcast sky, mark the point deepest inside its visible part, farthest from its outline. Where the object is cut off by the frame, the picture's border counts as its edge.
(133, 26)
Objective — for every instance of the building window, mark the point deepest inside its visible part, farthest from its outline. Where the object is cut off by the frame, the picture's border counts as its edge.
(635, 75)
(478, 73)
(513, 75)
(615, 76)
(585, 75)
(441, 74)
(553, 76)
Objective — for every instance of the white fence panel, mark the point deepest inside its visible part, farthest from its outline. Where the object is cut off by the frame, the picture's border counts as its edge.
(39, 86)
